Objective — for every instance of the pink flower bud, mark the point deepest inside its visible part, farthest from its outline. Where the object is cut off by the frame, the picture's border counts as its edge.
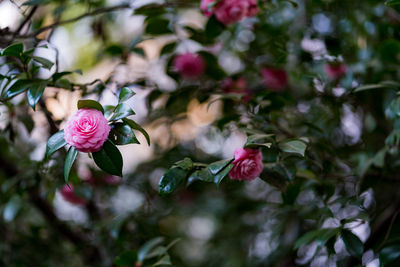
(247, 164)
(189, 65)
(86, 130)
(274, 79)
(229, 11)
(335, 71)
(69, 195)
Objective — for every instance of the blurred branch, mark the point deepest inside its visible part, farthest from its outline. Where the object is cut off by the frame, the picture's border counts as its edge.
(25, 21)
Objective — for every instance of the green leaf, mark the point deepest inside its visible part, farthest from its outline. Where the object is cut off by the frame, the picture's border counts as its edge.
(125, 94)
(169, 48)
(47, 64)
(121, 111)
(90, 104)
(34, 93)
(201, 175)
(171, 180)
(18, 87)
(137, 127)
(108, 110)
(222, 174)
(158, 26)
(214, 27)
(255, 139)
(150, 10)
(218, 166)
(353, 244)
(389, 254)
(392, 2)
(122, 134)
(14, 50)
(55, 142)
(290, 195)
(320, 235)
(213, 69)
(109, 159)
(147, 247)
(165, 260)
(126, 258)
(293, 146)
(185, 164)
(69, 160)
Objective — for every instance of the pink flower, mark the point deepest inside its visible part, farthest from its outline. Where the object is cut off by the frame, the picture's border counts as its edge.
(86, 130)
(274, 79)
(237, 86)
(335, 71)
(229, 11)
(69, 195)
(189, 65)
(247, 164)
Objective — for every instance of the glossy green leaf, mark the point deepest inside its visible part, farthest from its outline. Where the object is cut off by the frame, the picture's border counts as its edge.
(34, 93)
(147, 247)
(55, 142)
(353, 244)
(169, 48)
(90, 104)
(47, 64)
(122, 134)
(125, 94)
(320, 235)
(137, 127)
(222, 174)
(122, 111)
(18, 87)
(171, 180)
(389, 253)
(126, 258)
(293, 146)
(14, 50)
(69, 161)
(392, 2)
(257, 140)
(185, 164)
(218, 166)
(109, 159)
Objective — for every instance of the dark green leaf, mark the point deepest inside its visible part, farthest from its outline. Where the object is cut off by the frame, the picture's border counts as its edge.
(90, 104)
(121, 111)
(171, 180)
(218, 166)
(34, 93)
(58, 75)
(69, 161)
(291, 193)
(293, 146)
(18, 87)
(47, 64)
(320, 235)
(125, 94)
(389, 254)
(150, 10)
(214, 27)
(137, 127)
(257, 140)
(122, 134)
(222, 174)
(392, 2)
(165, 260)
(138, 50)
(201, 175)
(353, 244)
(147, 247)
(213, 69)
(126, 258)
(157, 26)
(109, 159)
(14, 50)
(55, 142)
(185, 164)
(169, 48)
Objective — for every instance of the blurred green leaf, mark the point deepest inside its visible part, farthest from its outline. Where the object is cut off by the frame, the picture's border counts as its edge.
(392, 2)
(214, 27)
(18, 87)
(125, 94)
(389, 253)
(185, 164)
(147, 247)
(319, 235)
(126, 258)
(169, 48)
(170, 181)
(158, 26)
(55, 142)
(90, 104)
(69, 161)
(218, 166)
(34, 93)
(353, 244)
(109, 159)
(293, 146)
(47, 64)
(14, 50)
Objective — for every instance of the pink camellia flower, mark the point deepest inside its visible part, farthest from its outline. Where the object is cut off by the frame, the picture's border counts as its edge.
(274, 79)
(189, 65)
(335, 71)
(87, 130)
(238, 86)
(67, 192)
(229, 11)
(247, 164)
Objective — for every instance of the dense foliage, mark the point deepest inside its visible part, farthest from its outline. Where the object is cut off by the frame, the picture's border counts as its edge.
(271, 128)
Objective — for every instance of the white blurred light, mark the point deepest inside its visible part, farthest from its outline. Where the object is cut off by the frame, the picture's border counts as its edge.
(126, 200)
(9, 15)
(322, 23)
(69, 212)
(201, 228)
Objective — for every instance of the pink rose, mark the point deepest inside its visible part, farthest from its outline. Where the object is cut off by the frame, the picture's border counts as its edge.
(69, 195)
(189, 65)
(247, 164)
(274, 79)
(87, 130)
(335, 71)
(237, 86)
(230, 11)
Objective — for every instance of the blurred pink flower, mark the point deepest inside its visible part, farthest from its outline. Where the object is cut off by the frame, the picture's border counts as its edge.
(69, 195)
(238, 86)
(189, 65)
(335, 71)
(274, 79)
(229, 11)
(247, 164)
(86, 130)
